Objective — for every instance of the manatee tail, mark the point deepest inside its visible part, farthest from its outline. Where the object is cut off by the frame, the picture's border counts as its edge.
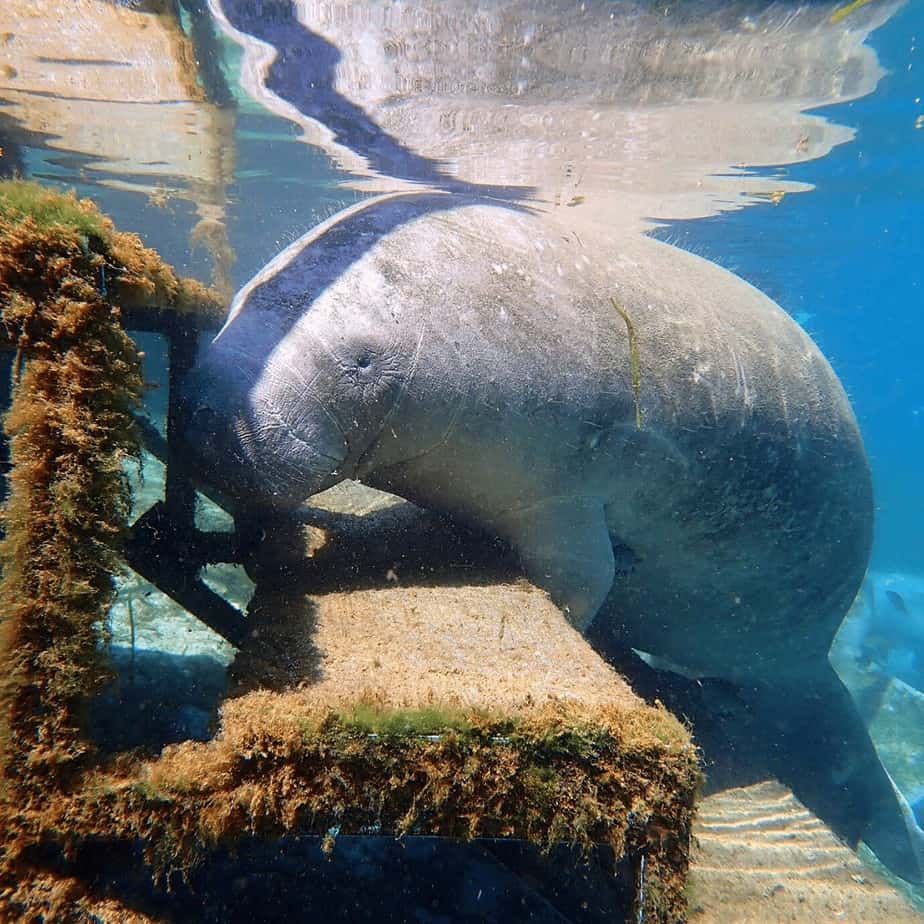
(819, 747)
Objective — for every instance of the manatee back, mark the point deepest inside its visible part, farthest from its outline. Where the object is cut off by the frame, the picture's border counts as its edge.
(751, 519)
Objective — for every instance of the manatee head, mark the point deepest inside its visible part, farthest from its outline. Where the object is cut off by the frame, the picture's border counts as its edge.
(252, 437)
(275, 412)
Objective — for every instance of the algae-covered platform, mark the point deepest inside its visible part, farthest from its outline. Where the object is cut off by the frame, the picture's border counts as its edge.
(395, 679)
(459, 711)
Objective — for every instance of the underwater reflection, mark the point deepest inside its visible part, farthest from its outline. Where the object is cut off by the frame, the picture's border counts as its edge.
(622, 114)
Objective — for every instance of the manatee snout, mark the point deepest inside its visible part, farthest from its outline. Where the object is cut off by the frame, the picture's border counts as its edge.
(211, 437)
(248, 443)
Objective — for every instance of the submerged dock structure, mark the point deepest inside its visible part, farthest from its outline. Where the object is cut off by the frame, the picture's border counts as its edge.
(395, 680)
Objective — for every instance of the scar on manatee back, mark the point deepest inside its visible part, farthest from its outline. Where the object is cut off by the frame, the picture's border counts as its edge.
(633, 359)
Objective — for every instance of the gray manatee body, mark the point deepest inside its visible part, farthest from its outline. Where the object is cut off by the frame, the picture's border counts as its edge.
(476, 360)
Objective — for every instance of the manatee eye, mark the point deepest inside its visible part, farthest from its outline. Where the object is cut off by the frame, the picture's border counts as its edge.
(364, 361)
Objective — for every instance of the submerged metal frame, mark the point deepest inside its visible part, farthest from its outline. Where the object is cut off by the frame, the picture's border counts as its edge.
(164, 545)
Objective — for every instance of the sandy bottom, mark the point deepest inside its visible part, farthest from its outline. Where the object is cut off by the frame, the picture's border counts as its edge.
(761, 857)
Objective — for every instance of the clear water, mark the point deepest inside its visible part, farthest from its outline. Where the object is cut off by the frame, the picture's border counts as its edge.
(783, 141)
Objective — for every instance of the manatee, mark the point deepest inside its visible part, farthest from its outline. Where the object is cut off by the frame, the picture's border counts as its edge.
(575, 397)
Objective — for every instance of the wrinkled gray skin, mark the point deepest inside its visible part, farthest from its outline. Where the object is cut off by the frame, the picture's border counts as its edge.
(469, 358)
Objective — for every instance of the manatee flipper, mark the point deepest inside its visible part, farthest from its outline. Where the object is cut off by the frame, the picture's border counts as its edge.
(820, 748)
(565, 548)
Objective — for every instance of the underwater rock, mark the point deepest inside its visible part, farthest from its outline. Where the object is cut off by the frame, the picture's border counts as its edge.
(898, 730)
(882, 635)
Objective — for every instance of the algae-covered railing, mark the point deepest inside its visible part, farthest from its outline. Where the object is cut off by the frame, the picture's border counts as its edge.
(64, 273)
(80, 827)
(76, 379)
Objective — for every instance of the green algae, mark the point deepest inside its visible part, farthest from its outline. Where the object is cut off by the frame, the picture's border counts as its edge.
(395, 723)
(634, 360)
(49, 209)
